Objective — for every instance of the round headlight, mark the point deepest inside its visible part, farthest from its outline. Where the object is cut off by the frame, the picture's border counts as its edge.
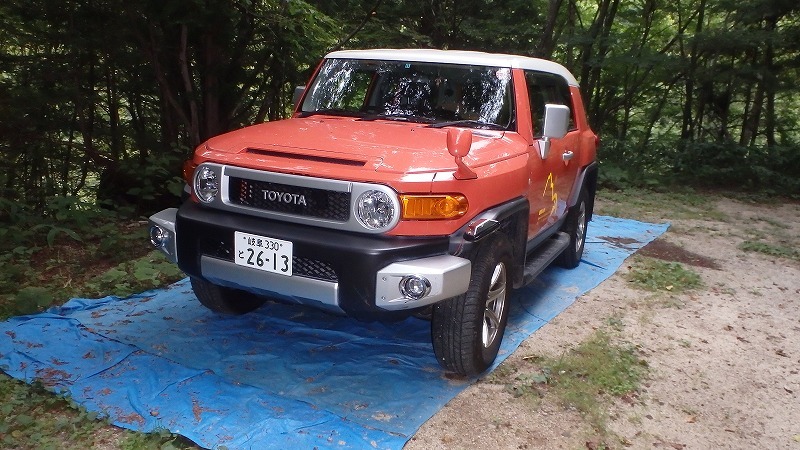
(375, 210)
(206, 186)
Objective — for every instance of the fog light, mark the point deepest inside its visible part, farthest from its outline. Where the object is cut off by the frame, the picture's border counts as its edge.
(158, 236)
(415, 287)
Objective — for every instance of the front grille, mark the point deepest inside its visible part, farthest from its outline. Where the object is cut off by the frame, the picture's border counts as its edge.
(282, 198)
(313, 268)
(222, 248)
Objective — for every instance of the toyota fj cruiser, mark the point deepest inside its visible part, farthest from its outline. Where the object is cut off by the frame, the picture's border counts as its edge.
(407, 182)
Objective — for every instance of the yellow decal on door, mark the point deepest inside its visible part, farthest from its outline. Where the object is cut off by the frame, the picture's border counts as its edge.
(549, 185)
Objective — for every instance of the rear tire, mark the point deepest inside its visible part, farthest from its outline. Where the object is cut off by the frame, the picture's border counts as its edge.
(225, 300)
(576, 225)
(467, 330)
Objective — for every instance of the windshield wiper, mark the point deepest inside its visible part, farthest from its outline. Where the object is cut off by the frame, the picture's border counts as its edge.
(401, 117)
(468, 123)
(329, 112)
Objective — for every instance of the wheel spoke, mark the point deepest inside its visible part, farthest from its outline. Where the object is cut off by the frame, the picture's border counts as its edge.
(498, 271)
(492, 320)
(494, 295)
(580, 230)
(495, 305)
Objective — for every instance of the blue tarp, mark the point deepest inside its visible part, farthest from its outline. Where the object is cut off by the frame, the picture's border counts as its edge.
(282, 376)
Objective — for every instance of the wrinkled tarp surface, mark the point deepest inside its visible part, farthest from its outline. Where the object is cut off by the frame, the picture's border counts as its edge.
(281, 377)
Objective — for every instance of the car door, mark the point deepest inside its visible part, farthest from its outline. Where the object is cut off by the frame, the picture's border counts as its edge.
(554, 174)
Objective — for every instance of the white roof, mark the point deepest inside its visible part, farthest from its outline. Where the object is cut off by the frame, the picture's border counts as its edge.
(459, 57)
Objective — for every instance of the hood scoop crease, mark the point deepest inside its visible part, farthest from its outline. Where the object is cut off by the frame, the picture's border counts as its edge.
(303, 157)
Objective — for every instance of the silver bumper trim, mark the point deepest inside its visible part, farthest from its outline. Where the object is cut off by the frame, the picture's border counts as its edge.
(322, 294)
(449, 276)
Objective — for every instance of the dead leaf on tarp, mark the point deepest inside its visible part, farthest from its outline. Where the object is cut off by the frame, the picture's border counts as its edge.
(52, 377)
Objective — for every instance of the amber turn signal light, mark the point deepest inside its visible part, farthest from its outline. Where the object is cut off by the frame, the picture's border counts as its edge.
(433, 207)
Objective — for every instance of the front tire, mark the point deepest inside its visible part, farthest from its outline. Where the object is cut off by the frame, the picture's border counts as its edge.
(225, 300)
(467, 330)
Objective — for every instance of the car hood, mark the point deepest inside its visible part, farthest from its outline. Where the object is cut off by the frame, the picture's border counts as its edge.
(315, 144)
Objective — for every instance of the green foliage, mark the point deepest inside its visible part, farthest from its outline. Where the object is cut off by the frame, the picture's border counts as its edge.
(137, 275)
(55, 230)
(90, 114)
(34, 417)
(649, 203)
(585, 378)
(75, 249)
(83, 109)
(770, 249)
(625, 165)
(771, 169)
(706, 164)
(31, 299)
(597, 367)
(93, 252)
(160, 439)
(656, 275)
(9, 210)
(144, 186)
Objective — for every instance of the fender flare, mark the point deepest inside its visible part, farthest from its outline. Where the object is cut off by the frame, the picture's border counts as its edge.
(509, 219)
(587, 177)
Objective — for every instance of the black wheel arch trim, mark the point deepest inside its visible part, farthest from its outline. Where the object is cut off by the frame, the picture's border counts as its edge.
(509, 219)
(587, 177)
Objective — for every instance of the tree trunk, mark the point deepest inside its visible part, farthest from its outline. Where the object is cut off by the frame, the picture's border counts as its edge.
(547, 39)
(687, 128)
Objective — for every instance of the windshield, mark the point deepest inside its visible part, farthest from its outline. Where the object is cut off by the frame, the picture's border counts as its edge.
(475, 96)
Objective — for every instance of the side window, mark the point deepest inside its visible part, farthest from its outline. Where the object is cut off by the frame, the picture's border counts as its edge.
(546, 88)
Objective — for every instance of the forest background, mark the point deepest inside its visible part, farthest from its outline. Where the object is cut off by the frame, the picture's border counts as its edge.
(101, 101)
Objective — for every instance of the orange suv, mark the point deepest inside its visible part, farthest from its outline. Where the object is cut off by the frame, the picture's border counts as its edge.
(407, 182)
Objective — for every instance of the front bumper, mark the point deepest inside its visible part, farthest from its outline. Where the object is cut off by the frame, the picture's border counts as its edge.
(344, 272)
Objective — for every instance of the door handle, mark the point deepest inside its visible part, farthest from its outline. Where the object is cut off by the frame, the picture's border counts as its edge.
(567, 155)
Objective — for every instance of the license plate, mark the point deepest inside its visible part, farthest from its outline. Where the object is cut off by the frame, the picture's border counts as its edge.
(263, 253)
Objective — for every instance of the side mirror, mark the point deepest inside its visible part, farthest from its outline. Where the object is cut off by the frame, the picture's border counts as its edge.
(459, 143)
(556, 121)
(556, 125)
(298, 94)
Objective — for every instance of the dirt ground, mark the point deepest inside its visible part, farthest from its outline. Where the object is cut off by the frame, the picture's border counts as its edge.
(723, 359)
